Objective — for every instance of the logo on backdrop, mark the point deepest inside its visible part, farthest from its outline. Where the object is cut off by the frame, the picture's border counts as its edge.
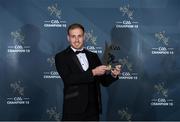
(160, 97)
(17, 88)
(124, 114)
(161, 90)
(56, 17)
(52, 74)
(18, 37)
(128, 69)
(89, 37)
(163, 40)
(53, 10)
(18, 43)
(18, 91)
(128, 13)
(53, 114)
(51, 61)
(91, 40)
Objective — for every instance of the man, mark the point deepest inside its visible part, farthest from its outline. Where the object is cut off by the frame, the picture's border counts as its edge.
(82, 73)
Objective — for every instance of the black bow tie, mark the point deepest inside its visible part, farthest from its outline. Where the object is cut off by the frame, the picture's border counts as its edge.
(77, 52)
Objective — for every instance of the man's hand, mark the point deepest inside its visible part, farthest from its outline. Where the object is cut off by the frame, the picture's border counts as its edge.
(116, 71)
(100, 70)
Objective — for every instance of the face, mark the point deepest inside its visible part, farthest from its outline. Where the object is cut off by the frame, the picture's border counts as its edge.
(76, 38)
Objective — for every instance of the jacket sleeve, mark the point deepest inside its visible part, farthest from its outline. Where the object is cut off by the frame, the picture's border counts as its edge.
(105, 79)
(69, 77)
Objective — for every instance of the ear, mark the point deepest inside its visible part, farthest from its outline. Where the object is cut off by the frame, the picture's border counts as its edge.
(84, 37)
(68, 38)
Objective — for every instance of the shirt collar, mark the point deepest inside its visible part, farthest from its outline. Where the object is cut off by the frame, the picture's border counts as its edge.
(76, 49)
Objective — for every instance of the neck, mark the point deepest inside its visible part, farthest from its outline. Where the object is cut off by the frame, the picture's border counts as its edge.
(75, 49)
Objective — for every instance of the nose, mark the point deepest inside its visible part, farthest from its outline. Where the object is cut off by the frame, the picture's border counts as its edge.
(76, 39)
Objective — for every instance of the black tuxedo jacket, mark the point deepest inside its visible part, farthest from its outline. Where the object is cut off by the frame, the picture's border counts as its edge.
(76, 80)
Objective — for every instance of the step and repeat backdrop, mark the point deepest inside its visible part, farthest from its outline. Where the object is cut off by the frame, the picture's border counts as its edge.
(141, 35)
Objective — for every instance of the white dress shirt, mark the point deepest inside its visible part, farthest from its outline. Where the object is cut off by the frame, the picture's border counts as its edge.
(82, 59)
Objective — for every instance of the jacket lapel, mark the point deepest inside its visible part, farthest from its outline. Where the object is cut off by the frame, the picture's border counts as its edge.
(74, 58)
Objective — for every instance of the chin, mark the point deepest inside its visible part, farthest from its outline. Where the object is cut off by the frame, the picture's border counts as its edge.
(77, 47)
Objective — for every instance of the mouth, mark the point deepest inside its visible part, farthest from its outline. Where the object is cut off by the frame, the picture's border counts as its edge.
(76, 44)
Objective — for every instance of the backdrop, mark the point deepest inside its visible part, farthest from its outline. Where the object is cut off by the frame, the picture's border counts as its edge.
(141, 35)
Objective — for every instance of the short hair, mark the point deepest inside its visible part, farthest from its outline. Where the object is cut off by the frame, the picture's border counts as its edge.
(75, 25)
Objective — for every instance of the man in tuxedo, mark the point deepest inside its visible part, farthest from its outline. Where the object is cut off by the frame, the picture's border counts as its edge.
(82, 74)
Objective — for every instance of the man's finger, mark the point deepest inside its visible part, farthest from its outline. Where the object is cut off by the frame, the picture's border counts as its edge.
(118, 66)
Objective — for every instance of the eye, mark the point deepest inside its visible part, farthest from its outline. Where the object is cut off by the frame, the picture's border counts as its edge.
(79, 36)
(73, 36)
